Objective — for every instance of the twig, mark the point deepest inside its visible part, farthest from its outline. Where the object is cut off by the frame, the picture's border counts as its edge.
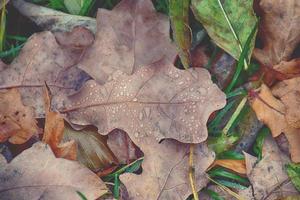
(192, 172)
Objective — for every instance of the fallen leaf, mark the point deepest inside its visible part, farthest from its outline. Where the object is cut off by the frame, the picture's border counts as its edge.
(122, 146)
(37, 174)
(213, 15)
(158, 100)
(128, 37)
(268, 177)
(54, 130)
(41, 60)
(272, 112)
(165, 170)
(17, 123)
(289, 68)
(179, 16)
(53, 20)
(279, 31)
(238, 166)
(289, 93)
(92, 150)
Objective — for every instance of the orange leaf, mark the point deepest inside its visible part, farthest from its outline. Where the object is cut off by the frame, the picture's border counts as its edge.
(238, 166)
(53, 132)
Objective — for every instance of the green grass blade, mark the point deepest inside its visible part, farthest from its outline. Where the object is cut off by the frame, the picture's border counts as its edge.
(241, 63)
(258, 145)
(213, 195)
(2, 25)
(231, 184)
(86, 7)
(234, 115)
(179, 16)
(222, 173)
(116, 190)
(231, 155)
(81, 195)
(11, 52)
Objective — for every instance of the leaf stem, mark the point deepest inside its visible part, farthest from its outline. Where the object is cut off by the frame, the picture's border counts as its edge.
(192, 172)
(233, 32)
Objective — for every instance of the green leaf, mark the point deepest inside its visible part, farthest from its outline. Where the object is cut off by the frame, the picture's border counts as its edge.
(179, 15)
(293, 171)
(86, 7)
(228, 23)
(258, 145)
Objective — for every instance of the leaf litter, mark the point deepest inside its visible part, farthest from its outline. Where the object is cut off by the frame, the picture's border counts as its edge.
(123, 81)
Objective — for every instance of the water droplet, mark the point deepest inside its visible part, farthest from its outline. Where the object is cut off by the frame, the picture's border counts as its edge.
(202, 91)
(141, 115)
(136, 134)
(135, 99)
(147, 111)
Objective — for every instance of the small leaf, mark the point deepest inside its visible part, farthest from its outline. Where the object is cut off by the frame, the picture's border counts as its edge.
(73, 6)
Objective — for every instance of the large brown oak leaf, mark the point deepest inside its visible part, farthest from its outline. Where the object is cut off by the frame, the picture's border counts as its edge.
(132, 35)
(46, 58)
(159, 100)
(37, 174)
(279, 30)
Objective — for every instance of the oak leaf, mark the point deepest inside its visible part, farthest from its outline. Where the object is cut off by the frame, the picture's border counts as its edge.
(160, 101)
(132, 35)
(279, 31)
(37, 174)
(17, 123)
(166, 169)
(41, 60)
(268, 177)
(273, 113)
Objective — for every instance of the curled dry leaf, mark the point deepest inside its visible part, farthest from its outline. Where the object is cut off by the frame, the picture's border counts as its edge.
(279, 30)
(273, 113)
(165, 170)
(92, 150)
(160, 101)
(54, 130)
(128, 37)
(268, 177)
(17, 121)
(37, 174)
(41, 60)
(53, 20)
(238, 166)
